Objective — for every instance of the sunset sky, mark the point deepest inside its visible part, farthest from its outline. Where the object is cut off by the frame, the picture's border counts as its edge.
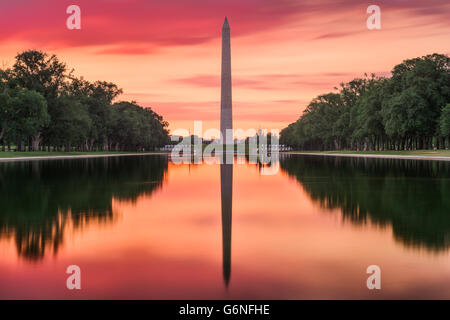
(166, 54)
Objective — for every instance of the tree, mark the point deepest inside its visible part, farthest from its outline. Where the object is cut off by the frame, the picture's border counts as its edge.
(98, 96)
(6, 115)
(30, 116)
(445, 121)
(40, 101)
(36, 70)
(133, 127)
(427, 77)
(366, 118)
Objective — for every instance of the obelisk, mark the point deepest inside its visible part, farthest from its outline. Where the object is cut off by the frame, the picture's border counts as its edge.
(226, 114)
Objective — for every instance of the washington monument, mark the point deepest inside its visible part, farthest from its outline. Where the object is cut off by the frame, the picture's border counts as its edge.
(226, 113)
(226, 169)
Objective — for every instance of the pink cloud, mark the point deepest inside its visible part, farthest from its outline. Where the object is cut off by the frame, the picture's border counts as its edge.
(138, 26)
(243, 110)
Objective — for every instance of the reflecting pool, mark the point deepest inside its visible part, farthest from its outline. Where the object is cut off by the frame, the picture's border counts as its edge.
(146, 228)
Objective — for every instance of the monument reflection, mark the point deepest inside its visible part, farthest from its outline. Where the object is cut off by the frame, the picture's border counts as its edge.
(226, 194)
(226, 191)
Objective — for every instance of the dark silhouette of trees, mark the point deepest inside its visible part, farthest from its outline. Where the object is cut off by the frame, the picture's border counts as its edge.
(45, 107)
(409, 196)
(405, 112)
(445, 121)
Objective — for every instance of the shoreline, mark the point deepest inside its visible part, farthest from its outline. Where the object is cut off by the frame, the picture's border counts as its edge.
(81, 156)
(379, 156)
(108, 155)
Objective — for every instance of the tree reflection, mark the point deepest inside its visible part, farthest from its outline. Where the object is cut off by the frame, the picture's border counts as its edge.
(40, 199)
(413, 197)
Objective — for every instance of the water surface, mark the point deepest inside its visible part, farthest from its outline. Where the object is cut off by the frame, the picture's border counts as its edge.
(143, 227)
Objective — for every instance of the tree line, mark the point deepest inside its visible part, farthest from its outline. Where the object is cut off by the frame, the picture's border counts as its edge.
(44, 107)
(37, 210)
(409, 110)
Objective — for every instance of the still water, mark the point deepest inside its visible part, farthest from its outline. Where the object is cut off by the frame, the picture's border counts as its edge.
(143, 227)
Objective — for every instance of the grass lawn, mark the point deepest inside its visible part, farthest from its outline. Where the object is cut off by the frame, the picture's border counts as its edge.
(52, 154)
(436, 153)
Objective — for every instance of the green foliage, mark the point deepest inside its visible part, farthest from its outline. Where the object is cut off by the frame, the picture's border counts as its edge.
(40, 102)
(72, 123)
(37, 208)
(5, 114)
(36, 70)
(445, 121)
(136, 127)
(405, 111)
